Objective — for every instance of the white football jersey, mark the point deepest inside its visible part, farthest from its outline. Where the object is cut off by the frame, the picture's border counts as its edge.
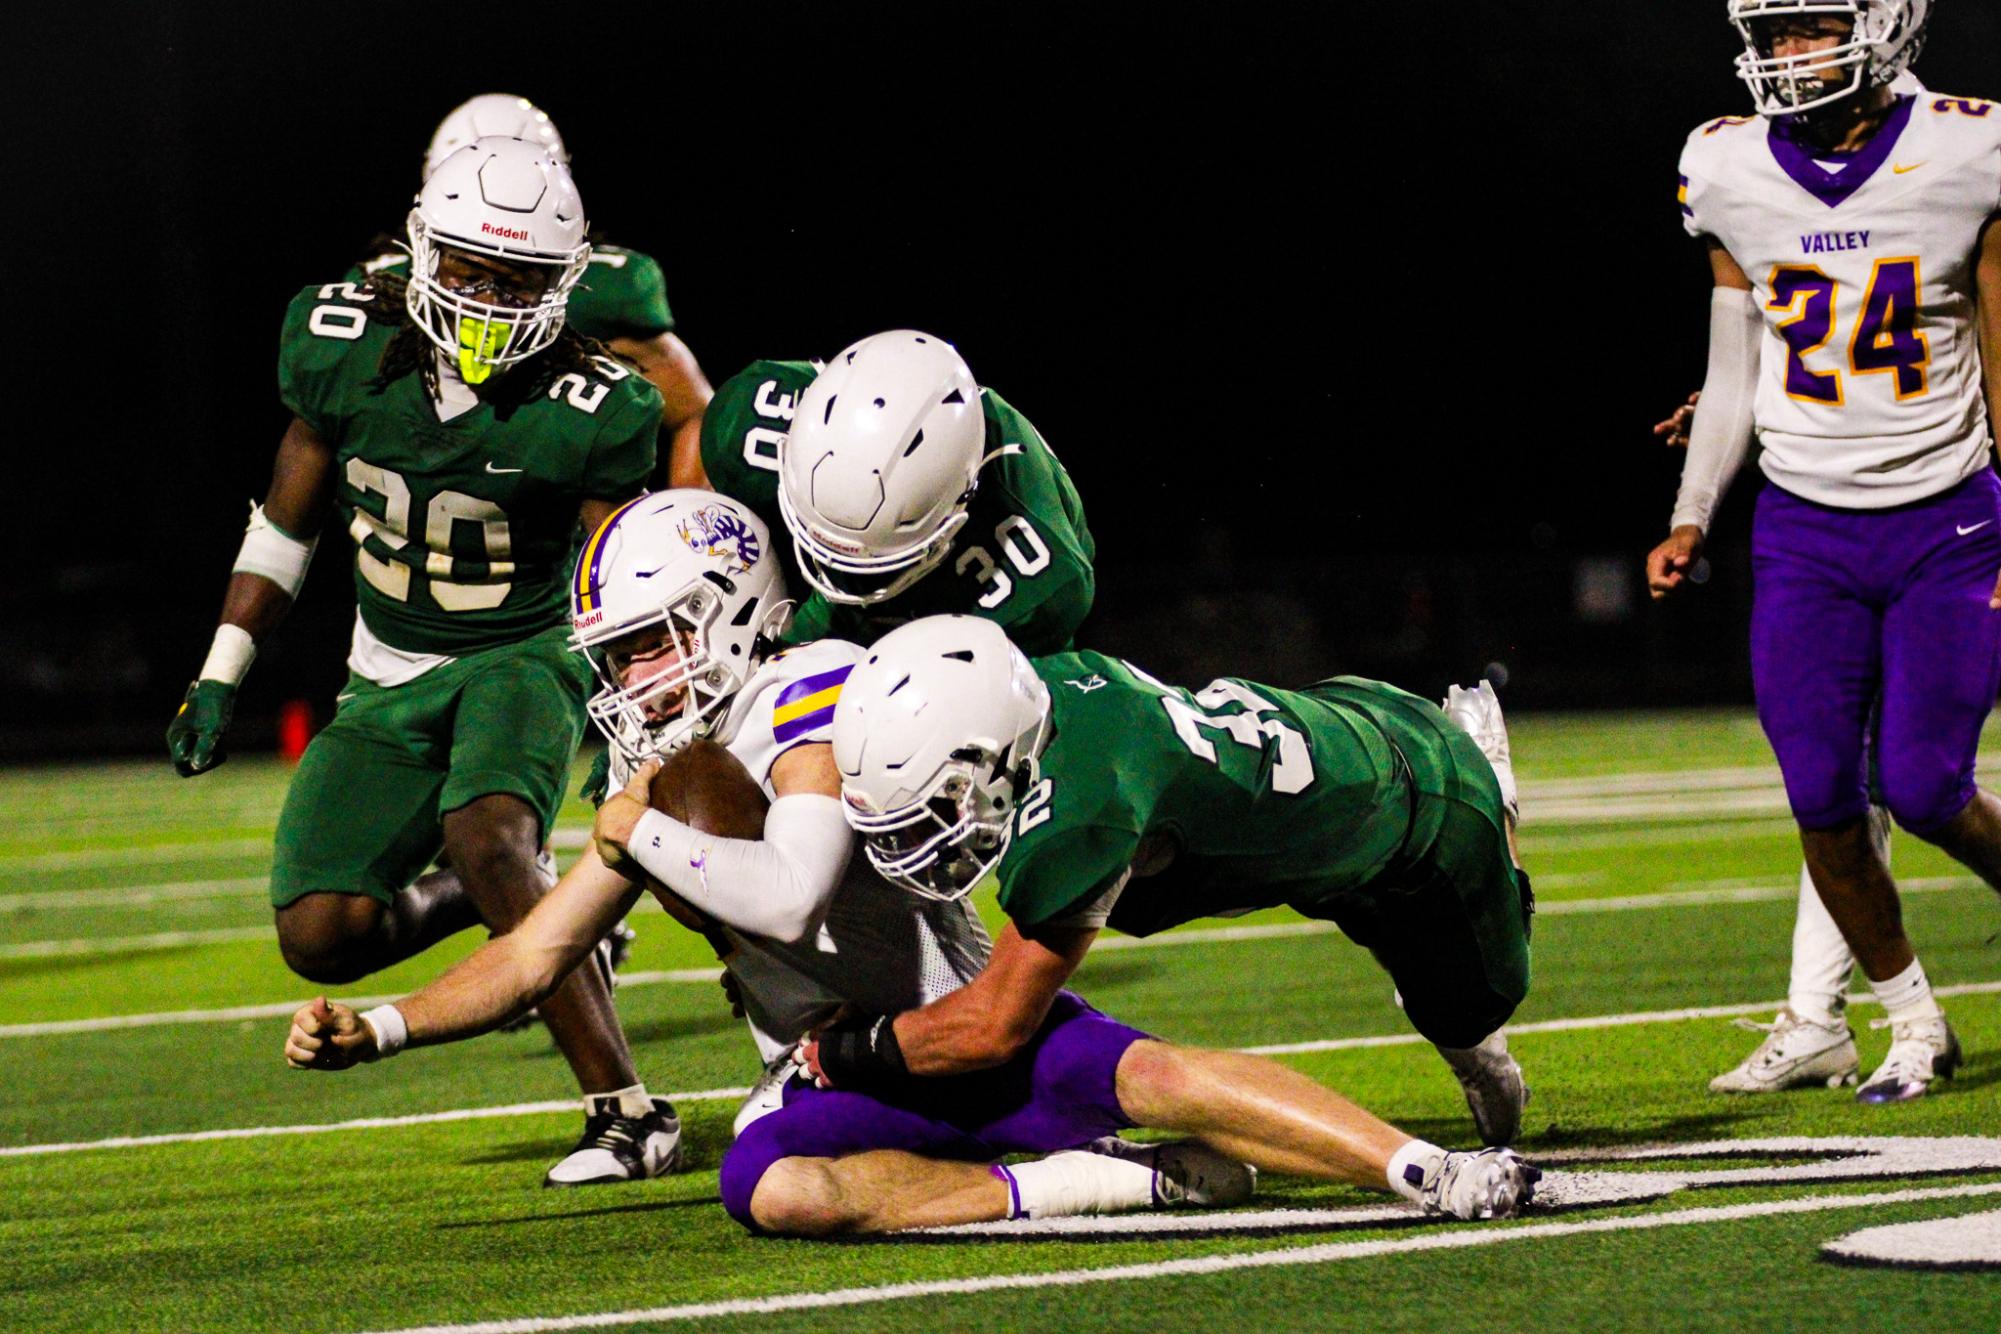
(1869, 391)
(880, 948)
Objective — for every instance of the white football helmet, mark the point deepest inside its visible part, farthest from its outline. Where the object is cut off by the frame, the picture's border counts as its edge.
(506, 199)
(937, 736)
(881, 461)
(699, 565)
(1885, 37)
(491, 114)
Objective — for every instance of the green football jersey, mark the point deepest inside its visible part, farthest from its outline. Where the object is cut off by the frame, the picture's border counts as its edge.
(465, 530)
(1023, 558)
(623, 293)
(1223, 800)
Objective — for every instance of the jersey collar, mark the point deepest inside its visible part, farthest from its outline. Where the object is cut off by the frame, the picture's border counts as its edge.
(1797, 159)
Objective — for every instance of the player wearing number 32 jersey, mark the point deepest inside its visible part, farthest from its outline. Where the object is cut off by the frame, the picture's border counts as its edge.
(1855, 332)
(1098, 796)
(458, 433)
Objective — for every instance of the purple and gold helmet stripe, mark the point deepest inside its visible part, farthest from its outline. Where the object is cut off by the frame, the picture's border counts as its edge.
(585, 593)
(1682, 197)
(806, 704)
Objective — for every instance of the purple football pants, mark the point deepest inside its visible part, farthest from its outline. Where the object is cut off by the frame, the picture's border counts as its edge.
(1059, 1092)
(1850, 603)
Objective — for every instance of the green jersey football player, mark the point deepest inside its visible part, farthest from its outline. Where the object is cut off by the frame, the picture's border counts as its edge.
(459, 437)
(621, 299)
(1098, 796)
(908, 491)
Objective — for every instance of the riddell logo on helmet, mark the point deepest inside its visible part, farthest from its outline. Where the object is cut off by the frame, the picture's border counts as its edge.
(505, 233)
(589, 619)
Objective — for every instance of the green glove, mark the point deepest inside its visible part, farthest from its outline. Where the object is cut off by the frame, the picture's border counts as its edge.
(597, 783)
(194, 738)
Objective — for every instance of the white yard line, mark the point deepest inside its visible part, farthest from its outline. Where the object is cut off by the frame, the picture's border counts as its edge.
(129, 896)
(13, 863)
(1585, 1022)
(359, 1123)
(158, 940)
(1731, 894)
(1326, 1253)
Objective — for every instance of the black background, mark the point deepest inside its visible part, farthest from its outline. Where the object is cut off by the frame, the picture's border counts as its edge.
(1349, 321)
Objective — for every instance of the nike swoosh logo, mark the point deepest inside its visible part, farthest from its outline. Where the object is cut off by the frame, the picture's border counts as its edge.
(1900, 168)
(1972, 529)
(497, 471)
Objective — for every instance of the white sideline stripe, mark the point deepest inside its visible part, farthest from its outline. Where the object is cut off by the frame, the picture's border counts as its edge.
(1583, 1022)
(1274, 1049)
(1326, 1253)
(359, 1123)
(158, 940)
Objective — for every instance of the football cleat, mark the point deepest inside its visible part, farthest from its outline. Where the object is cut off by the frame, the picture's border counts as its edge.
(1492, 1081)
(1921, 1050)
(768, 1094)
(1797, 1052)
(1477, 712)
(1491, 1183)
(616, 1147)
(1186, 1172)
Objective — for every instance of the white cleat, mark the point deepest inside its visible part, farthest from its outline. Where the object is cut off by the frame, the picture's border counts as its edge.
(1796, 1053)
(1921, 1050)
(768, 1094)
(1477, 712)
(616, 1147)
(1186, 1172)
(1492, 1183)
(1492, 1081)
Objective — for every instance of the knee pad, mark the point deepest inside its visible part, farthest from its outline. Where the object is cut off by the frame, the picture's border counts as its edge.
(1923, 807)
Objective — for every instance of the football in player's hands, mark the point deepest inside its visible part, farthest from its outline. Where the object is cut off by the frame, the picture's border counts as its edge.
(705, 787)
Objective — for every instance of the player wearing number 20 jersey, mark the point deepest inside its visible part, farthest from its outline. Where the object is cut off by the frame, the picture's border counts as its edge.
(1023, 557)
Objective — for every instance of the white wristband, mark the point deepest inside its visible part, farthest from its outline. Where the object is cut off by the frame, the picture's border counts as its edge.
(229, 655)
(386, 1022)
(270, 551)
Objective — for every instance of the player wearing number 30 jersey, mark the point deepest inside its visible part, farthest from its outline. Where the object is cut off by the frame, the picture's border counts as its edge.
(908, 490)
(1855, 329)
(458, 435)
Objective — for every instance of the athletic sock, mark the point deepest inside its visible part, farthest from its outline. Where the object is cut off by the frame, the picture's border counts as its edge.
(1818, 990)
(1412, 1166)
(1907, 996)
(626, 1102)
(1076, 1182)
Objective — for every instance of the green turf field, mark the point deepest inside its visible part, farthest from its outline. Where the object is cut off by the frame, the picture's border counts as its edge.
(142, 998)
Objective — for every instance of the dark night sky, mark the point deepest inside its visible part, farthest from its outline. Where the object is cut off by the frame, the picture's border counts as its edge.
(1369, 305)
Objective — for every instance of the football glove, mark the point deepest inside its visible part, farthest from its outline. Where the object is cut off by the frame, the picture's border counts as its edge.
(597, 783)
(194, 738)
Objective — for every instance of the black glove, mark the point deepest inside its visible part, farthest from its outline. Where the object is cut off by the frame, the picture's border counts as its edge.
(861, 1053)
(194, 738)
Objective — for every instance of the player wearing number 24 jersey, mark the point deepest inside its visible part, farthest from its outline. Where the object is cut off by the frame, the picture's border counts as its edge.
(912, 491)
(1855, 331)
(458, 436)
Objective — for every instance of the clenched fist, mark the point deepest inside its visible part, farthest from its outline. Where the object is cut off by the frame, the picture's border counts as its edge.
(327, 1035)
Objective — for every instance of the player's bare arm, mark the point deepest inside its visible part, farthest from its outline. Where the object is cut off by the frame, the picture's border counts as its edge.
(1670, 563)
(268, 571)
(502, 978)
(982, 1024)
(684, 393)
(1987, 299)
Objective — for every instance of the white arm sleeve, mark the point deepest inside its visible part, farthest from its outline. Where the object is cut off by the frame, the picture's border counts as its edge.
(777, 886)
(1721, 435)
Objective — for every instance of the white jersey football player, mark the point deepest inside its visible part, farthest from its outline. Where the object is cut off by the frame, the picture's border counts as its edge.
(678, 603)
(1848, 233)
